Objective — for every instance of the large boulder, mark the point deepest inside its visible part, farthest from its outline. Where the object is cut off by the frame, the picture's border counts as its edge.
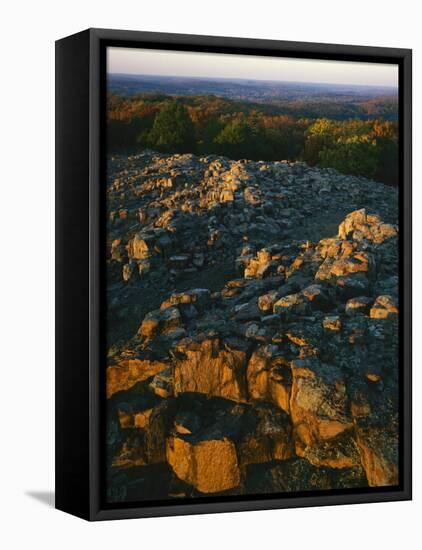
(267, 301)
(139, 248)
(269, 377)
(160, 321)
(259, 266)
(319, 411)
(359, 225)
(351, 261)
(128, 372)
(376, 419)
(352, 286)
(117, 250)
(271, 438)
(384, 307)
(158, 428)
(210, 465)
(144, 435)
(248, 311)
(357, 305)
(318, 297)
(291, 305)
(199, 297)
(134, 413)
(378, 448)
(211, 367)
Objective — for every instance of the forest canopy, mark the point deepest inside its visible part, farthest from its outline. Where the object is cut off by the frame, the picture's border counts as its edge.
(238, 129)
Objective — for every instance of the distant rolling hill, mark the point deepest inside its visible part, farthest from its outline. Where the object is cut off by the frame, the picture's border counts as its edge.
(252, 90)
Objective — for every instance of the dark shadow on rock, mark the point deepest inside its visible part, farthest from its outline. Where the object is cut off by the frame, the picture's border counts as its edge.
(45, 497)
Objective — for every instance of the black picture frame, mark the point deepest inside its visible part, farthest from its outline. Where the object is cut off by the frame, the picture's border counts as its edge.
(80, 105)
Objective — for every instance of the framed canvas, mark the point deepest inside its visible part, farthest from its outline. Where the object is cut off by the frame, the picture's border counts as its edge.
(233, 280)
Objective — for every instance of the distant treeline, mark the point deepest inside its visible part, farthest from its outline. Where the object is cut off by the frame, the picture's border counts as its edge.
(211, 125)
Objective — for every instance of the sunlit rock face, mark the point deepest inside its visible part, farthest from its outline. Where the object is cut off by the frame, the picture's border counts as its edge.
(210, 367)
(252, 328)
(210, 466)
(128, 372)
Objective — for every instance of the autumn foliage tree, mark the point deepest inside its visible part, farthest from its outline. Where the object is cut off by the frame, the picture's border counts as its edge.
(366, 148)
(207, 124)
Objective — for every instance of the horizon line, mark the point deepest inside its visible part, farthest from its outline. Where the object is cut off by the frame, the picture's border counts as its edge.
(389, 86)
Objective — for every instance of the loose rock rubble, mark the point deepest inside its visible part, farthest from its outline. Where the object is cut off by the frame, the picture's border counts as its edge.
(253, 328)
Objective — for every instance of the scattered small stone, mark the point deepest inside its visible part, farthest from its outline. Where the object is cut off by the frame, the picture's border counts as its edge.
(332, 322)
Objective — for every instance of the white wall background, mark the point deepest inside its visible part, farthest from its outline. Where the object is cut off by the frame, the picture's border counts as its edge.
(27, 36)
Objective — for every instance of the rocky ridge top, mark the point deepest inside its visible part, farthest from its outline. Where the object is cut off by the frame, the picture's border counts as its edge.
(262, 355)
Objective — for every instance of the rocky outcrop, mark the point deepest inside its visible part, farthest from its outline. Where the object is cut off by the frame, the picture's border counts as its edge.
(210, 466)
(210, 367)
(268, 377)
(129, 372)
(359, 226)
(383, 307)
(298, 474)
(253, 328)
(318, 405)
(271, 437)
(160, 322)
(379, 455)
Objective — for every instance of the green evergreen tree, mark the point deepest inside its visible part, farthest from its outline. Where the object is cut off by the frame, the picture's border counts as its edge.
(173, 130)
(238, 139)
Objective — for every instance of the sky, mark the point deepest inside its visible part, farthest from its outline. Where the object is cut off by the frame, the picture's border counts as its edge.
(171, 63)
